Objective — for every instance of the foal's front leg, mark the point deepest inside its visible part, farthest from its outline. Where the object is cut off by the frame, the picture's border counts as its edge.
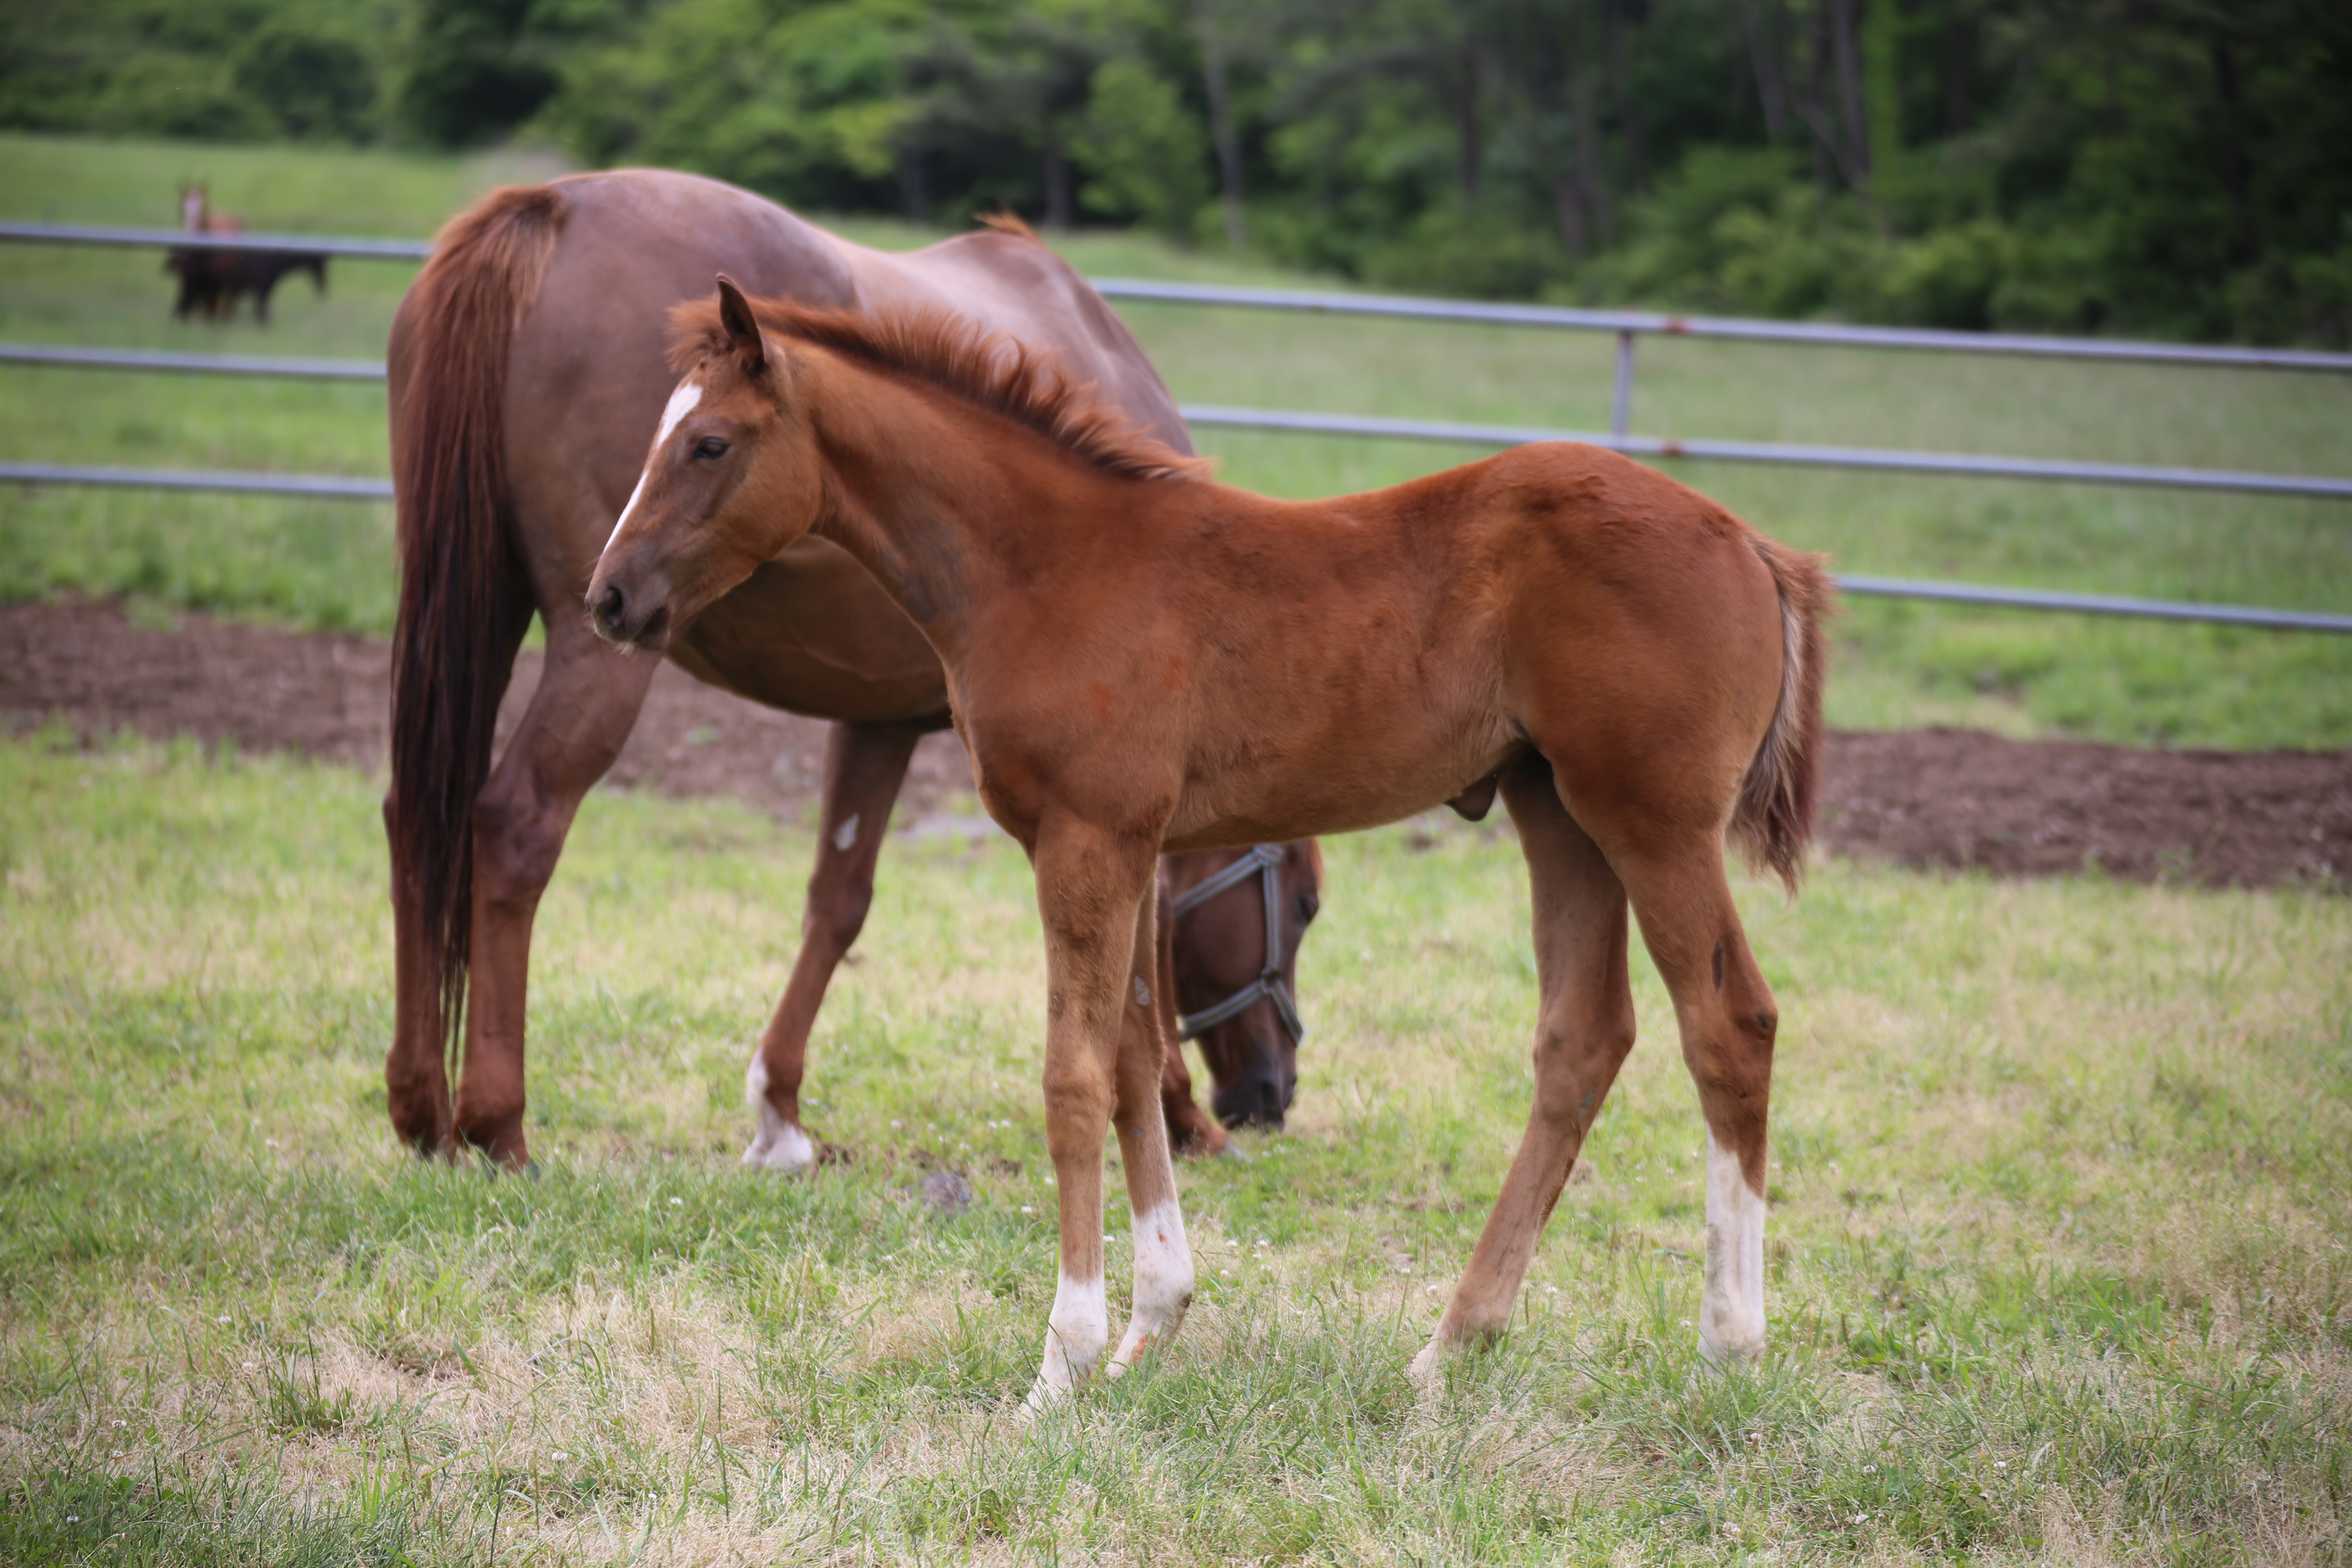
(1091, 884)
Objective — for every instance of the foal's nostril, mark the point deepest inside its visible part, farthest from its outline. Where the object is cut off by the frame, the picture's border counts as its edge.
(612, 608)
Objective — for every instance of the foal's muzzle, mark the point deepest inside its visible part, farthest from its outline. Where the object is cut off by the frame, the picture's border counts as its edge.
(642, 618)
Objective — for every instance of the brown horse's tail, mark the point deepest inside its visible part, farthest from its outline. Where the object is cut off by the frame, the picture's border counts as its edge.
(1774, 820)
(463, 602)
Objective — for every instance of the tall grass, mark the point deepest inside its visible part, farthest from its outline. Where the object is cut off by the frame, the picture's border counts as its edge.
(313, 563)
(2057, 1266)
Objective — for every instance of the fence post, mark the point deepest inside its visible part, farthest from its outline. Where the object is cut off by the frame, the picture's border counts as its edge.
(1620, 403)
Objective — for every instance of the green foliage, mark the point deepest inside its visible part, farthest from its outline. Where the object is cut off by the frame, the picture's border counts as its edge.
(1146, 150)
(2162, 169)
(320, 87)
(213, 70)
(468, 72)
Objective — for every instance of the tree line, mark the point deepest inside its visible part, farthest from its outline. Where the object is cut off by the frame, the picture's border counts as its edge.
(2170, 167)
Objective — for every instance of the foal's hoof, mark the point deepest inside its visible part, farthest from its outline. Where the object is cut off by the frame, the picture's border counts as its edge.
(1429, 1367)
(778, 1146)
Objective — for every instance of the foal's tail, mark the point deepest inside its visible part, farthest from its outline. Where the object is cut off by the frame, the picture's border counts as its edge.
(463, 602)
(1774, 818)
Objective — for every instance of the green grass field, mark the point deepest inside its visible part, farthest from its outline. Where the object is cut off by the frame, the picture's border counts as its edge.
(329, 563)
(2057, 1267)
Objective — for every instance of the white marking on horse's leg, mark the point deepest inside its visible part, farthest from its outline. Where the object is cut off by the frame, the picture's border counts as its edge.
(1075, 1332)
(846, 833)
(778, 1146)
(1731, 1312)
(682, 403)
(1164, 1284)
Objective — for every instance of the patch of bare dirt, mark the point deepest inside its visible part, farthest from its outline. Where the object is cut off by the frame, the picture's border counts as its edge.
(327, 696)
(1923, 798)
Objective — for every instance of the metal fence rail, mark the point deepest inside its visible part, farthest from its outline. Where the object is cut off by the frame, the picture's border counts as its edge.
(178, 239)
(1868, 457)
(324, 487)
(191, 365)
(1879, 459)
(1654, 323)
(1627, 326)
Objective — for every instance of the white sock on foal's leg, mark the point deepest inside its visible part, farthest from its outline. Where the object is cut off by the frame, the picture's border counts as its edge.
(1731, 1312)
(778, 1146)
(1075, 1332)
(1164, 1284)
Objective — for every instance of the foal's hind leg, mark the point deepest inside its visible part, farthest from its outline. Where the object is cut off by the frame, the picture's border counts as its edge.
(587, 701)
(1584, 1027)
(865, 765)
(1163, 1257)
(1729, 1023)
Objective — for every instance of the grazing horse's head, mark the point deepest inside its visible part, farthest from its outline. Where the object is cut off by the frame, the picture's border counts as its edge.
(731, 480)
(1253, 1055)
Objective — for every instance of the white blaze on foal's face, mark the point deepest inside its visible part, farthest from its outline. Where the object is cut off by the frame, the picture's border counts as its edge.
(681, 403)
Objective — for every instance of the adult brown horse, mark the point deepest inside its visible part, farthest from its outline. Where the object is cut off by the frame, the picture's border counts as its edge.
(1230, 980)
(528, 363)
(1139, 659)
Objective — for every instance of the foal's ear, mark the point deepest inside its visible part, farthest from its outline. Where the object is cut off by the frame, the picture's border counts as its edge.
(742, 328)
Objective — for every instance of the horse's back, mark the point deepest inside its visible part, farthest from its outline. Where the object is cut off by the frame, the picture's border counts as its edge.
(1013, 283)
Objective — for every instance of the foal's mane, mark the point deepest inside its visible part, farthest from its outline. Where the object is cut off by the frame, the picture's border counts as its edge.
(990, 370)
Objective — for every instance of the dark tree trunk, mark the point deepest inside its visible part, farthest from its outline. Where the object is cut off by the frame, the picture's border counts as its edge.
(1960, 57)
(1812, 101)
(2246, 244)
(1761, 21)
(915, 183)
(1058, 182)
(1584, 99)
(1465, 125)
(1845, 50)
(1221, 124)
(1618, 49)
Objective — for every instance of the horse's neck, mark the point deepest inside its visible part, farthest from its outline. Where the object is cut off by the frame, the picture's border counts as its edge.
(942, 502)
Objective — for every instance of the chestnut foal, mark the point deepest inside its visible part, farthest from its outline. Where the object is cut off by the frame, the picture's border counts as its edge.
(1139, 659)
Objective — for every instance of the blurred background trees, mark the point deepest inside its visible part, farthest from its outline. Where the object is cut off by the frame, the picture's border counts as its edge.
(2170, 167)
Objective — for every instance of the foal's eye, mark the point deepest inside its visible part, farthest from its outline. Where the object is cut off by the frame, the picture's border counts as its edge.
(711, 447)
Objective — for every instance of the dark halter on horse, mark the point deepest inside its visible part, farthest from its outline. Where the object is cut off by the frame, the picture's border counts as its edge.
(1264, 862)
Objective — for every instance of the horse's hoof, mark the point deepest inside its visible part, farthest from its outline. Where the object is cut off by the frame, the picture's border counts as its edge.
(1429, 1366)
(1233, 1151)
(778, 1146)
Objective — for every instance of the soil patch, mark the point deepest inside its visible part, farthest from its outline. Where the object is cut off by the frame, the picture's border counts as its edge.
(1923, 797)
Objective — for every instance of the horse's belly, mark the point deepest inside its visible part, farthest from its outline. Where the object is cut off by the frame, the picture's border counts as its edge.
(1329, 791)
